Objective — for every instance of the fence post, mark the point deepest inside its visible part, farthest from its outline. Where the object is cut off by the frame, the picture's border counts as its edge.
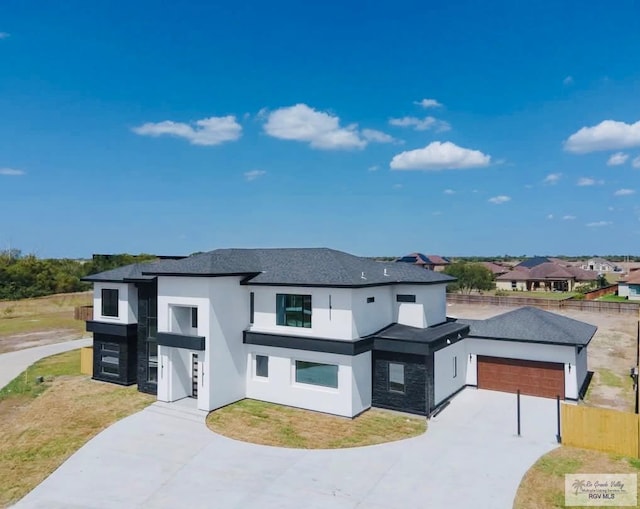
(559, 435)
(518, 400)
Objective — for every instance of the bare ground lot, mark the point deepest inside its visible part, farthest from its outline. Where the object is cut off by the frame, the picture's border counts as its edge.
(612, 351)
(41, 321)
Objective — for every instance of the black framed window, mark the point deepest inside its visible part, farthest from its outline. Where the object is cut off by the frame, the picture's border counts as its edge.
(514, 285)
(152, 356)
(194, 317)
(396, 377)
(251, 306)
(370, 300)
(293, 310)
(110, 359)
(405, 298)
(109, 302)
(313, 373)
(262, 366)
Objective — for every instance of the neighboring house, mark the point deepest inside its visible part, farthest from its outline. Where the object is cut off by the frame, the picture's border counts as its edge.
(431, 262)
(312, 328)
(546, 276)
(529, 263)
(495, 268)
(629, 287)
(600, 265)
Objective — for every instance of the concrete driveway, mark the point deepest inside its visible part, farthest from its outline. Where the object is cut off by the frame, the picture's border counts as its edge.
(14, 363)
(164, 457)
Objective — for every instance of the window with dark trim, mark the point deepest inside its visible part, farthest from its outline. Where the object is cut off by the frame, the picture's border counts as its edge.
(396, 377)
(262, 366)
(514, 285)
(293, 310)
(152, 356)
(313, 373)
(194, 318)
(110, 359)
(109, 302)
(405, 298)
(251, 306)
(370, 300)
(455, 367)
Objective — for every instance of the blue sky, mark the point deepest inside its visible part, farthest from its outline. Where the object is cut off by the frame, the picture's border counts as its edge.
(378, 128)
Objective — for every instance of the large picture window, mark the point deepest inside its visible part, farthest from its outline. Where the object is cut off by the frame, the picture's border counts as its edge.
(109, 302)
(324, 375)
(293, 310)
(110, 359)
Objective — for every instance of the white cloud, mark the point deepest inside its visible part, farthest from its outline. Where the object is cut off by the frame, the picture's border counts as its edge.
(568, 81)
(377, 136)
(607, 135)
(254, 174)
(4, 35)
(321, 130)
(597, 224)
(207, 131)
(549, 216)
(636, 162)
(439, 156)
(428, 103)
(375, 167)
(552, 178)
(624, 192)
(499, 200)
(423, 124)
(568, 218)
(449, 191)
(11, 172)
(617, 159)
(588, 181)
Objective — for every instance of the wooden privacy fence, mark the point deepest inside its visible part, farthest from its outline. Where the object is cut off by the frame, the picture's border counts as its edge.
(580, 305)
(600, 429)
(83, 313)
(86, 361)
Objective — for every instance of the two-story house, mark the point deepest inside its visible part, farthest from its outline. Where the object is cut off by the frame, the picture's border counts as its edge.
(312, 328)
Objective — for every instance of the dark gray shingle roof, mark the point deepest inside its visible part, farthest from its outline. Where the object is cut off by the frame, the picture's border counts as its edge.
(133, 271)
(286, 267)
(534, 325)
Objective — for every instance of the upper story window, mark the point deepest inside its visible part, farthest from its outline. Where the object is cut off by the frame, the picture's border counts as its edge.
(293, 310)
(405, 298)
(109, 302)
(370, 300)
(194, 318)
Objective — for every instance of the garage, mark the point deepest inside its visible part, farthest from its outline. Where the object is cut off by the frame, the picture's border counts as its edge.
(534, 378)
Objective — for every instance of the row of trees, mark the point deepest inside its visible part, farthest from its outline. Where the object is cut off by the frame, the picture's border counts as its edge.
(23, 276)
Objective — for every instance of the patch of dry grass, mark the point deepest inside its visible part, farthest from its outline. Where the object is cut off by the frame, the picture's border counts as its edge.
(42, 428)
(42, 313)
(269, 424)
(543, 485)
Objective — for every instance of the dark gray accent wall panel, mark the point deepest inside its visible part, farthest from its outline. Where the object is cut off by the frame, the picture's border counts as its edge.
(180, 341)
(147, 327)
(112, 329)
(342, 347)
(414, 399)
(127, 358)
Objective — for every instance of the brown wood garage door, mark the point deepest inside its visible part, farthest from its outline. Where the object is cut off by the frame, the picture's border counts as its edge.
(534, 378)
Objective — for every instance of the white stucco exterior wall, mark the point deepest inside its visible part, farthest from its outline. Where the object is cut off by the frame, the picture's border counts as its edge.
(349, 399)
(623, 290)
(332, 323)
(445, 383)
(429, 309)
(371, 317)
(127, 303)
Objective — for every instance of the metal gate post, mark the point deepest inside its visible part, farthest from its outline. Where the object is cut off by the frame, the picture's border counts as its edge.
(518, 400)
(558, 436)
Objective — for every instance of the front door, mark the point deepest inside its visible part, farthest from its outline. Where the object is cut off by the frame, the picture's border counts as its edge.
(194, 375)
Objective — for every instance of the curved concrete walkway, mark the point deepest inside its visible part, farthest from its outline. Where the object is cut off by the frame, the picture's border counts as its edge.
(14, 363)
(165, 457)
